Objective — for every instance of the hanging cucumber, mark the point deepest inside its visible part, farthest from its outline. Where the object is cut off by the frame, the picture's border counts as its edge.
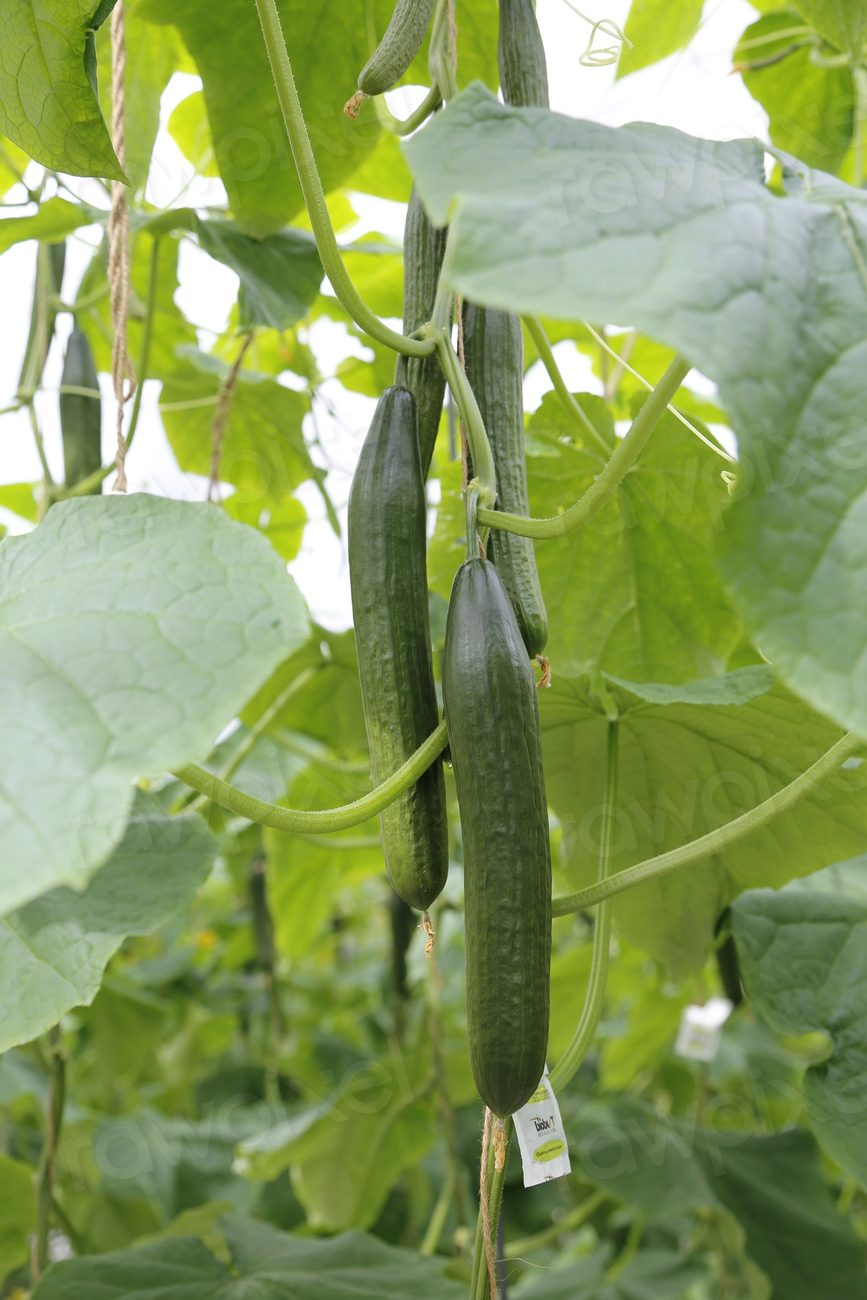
(80, 415)
(521, 54)
(387, 570)
(494, 360)
(50, 265)
(493, 726)
(423, 249)
(402, 41)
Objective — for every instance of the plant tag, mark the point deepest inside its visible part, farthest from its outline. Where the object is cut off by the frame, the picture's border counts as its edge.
(698, 1038)
(544, 1150)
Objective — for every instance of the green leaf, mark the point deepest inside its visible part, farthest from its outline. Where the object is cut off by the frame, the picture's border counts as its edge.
(13, 165)
(327, 51)
(55, 219)
(280, 274)
(17, 1197)
(842, 22)
(47, 102)
(803, 957)
(264, 456)
(53, 951)
(771, 1184)
(188, 127)
(272, 1266)
(131, 630)
(657, 29)
(651, 1275)
(686, 769)
(636, 590)
(282, 522)
(764, 293)
(811, 109)
(21, 499)
(372, 1129)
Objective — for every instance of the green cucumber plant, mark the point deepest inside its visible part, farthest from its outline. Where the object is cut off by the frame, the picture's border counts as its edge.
(696, 737)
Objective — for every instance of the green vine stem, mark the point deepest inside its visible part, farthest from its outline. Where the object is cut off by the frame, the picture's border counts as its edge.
(609, 478)
(549, 361)
(480, 448)
(320, 821)
(567, 1067)
(314, 196)
(574, 1219)
(48, 1160)
(87, 485)
(406, 125)
(442, 56)
(714, 841)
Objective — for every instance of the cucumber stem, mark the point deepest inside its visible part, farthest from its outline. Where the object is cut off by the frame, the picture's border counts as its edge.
(480, 447)
(609, 478)
(567, 1067)
(314, 196)
(497, 1178)
(715, 841)
(549, 361)
(320, 821)
(402, 126)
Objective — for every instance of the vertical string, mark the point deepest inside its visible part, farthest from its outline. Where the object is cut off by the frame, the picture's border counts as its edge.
(123, 376)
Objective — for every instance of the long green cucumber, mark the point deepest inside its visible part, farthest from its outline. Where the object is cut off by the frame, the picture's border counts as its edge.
(80, 416)
(50, 264)
(521, 54)
(423, 249)
(494, 360)
(493, 726)
(400, 44)
(387, 571)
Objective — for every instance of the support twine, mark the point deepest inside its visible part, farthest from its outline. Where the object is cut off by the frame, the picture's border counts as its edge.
(485, 1203)
(123, 375)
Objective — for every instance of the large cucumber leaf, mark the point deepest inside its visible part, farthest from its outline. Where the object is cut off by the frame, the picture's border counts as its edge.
(767, 294)
(131, 630)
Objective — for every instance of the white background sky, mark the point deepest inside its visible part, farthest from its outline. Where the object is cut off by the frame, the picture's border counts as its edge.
(692, 90)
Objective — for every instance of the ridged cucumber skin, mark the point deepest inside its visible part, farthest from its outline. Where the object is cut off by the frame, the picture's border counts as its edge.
(423, 249)
(400, 44)
(494, 360)
(496, 752)
(80, 416)
(388, 579)
(521, 55)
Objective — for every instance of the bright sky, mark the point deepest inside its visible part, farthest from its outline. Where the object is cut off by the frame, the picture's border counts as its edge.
(692, 90)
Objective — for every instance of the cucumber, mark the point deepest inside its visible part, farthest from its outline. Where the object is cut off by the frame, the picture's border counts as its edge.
(402, 41)
(80, 416)
(423, 249)
(494, 359)
(50, 265)
(521, 54)
(493, 725)
(388, 578)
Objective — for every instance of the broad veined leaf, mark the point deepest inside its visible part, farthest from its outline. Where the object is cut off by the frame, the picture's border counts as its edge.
(48, 102)
(765, 293)
(327, 49)
(651, 1275)
(810, 108)
(691, 760)
(771, 1185)
(264, 455)
(270, 1265)
(842, 22)
(803, 956)
(55, 219)
(54, 950)
(380, 1122)
(131, 630)
(13, 165)
(280, 274)
(657, 29)
(18, 1198)
(636, 591)
(188, 127)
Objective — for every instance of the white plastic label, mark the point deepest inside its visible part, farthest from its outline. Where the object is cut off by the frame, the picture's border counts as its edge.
(544, 1150)
(700, 1030)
